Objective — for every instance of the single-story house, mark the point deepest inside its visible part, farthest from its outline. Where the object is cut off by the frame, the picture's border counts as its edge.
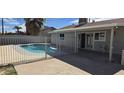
(103, 36)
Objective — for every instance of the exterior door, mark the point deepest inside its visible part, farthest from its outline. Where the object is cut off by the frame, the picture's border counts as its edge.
(89, 40)
(82, 40)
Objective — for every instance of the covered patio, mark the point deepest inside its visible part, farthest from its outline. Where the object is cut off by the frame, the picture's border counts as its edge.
(88, 29)
(109, 27)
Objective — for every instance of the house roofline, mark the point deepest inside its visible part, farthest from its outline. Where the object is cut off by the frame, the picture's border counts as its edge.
(84, 28)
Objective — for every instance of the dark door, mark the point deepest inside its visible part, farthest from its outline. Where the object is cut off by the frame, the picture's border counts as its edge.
(82, 40)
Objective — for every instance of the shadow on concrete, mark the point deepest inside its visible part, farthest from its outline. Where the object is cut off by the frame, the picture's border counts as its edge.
(93, 63)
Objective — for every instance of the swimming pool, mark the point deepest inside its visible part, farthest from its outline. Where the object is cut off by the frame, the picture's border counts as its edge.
(38, 48)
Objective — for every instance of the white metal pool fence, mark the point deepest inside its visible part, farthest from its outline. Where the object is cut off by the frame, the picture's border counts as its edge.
(11, 52)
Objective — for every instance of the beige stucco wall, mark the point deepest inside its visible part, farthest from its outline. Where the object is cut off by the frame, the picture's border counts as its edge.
(68, 41)
(103, 45)
(118, 42)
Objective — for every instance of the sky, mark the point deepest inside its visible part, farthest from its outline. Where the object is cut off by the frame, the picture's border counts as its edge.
(9, 23)
(60, 22)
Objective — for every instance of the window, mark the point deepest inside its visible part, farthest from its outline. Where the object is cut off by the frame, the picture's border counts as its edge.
(100, 36)
(96, 36)
(61, 36)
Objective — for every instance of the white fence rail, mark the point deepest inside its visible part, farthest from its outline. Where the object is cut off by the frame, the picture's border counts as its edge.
(21, 39)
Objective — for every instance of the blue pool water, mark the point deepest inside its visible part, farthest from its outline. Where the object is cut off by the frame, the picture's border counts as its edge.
(38, 48)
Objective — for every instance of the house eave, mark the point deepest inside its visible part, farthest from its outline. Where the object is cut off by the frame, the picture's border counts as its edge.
(88, 28)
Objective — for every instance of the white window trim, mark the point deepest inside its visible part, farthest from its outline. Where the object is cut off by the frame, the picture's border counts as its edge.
(61, 38)
(100, 32)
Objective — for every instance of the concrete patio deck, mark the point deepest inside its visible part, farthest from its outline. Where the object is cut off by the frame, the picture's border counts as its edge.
(49, 67)
(69, 65)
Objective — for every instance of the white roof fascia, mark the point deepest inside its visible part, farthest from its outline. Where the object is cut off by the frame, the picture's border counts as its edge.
(87, 27)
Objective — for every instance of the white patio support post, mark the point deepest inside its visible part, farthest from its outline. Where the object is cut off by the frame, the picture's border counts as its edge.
(93, 40)
(111, 44)
(56, 41)
(77, 42)
(59, 47)
(75, 49)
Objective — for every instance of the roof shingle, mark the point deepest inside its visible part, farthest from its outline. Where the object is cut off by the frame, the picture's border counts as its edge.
(119, 20)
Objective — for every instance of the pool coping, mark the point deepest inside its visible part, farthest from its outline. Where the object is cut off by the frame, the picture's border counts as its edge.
(28, 52)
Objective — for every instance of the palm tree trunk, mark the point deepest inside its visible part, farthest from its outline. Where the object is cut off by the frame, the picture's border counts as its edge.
(17, 31)
(2, 27)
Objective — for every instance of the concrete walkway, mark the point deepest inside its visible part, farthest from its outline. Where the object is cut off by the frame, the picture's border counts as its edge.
(121, 72)
(49, 67)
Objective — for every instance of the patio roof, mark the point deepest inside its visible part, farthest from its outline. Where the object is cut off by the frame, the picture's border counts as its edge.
(86, 28)
(93, 26)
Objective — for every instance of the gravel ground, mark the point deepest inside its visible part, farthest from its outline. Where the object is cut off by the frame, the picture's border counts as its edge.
(7, 70)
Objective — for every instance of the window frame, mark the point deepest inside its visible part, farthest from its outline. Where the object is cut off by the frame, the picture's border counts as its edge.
(61, 36)
(99, 36)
